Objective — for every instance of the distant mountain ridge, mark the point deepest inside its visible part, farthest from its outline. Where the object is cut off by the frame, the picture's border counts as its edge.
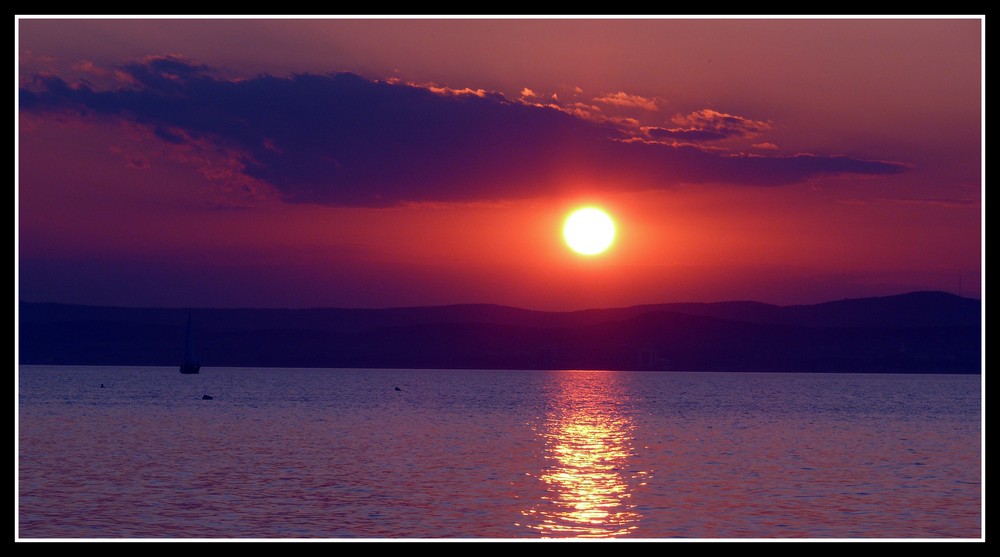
(915, 332)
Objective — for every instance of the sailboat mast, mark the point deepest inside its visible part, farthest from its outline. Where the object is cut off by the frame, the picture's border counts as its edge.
(190, 364)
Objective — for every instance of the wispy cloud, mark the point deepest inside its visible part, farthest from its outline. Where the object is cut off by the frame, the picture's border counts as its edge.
(685, 134)
(937, 201)
(345, 140)
(710, 125)
(727, 124)
(623, 99)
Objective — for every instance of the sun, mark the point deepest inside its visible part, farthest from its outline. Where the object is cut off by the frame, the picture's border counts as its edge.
(589, 231)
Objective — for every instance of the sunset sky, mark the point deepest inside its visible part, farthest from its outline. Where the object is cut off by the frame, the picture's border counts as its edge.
(355, 162)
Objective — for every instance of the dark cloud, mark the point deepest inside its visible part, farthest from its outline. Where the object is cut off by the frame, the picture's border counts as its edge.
(344, 140)
(168, 135)
(166, 73)
(688, 134)
(691, 164)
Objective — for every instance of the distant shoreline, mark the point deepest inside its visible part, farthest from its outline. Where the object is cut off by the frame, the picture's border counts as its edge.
(209, 370)
(921, 332)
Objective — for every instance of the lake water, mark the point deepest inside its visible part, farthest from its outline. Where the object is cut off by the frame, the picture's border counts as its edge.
(343, 454)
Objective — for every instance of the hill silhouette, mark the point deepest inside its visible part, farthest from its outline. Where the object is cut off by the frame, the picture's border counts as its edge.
(920, 332)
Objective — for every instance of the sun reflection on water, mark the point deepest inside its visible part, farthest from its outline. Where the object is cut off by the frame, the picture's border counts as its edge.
(586, 478)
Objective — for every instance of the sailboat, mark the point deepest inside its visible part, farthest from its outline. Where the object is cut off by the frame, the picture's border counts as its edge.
(190, 364)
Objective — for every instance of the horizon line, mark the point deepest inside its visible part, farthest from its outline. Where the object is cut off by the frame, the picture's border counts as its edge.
(490, 304)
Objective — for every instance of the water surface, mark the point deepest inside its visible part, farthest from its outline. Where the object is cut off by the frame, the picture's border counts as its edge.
(343, 454)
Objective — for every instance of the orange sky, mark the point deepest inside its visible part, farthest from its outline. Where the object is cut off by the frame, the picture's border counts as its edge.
(228, 163)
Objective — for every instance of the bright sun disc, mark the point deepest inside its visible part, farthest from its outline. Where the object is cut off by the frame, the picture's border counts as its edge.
(589, 231)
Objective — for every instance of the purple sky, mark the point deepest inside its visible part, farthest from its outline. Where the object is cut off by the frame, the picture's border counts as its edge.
(376, 163)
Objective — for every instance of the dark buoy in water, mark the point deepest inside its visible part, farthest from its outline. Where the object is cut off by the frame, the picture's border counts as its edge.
(398, 389)
(206, 397)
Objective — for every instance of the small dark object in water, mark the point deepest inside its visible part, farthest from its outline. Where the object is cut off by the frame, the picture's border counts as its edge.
(398, 389)
(102, 385)
(206, 397)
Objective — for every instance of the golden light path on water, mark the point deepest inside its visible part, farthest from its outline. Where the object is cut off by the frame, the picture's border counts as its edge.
(587, 480)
